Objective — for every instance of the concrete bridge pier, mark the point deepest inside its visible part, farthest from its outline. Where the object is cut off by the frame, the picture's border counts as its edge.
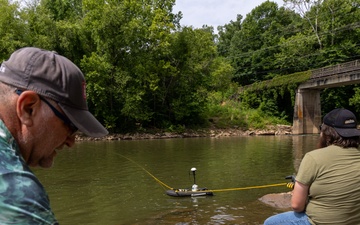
(307, 111)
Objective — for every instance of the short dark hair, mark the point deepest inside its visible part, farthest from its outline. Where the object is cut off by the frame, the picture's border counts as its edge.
(329, 136)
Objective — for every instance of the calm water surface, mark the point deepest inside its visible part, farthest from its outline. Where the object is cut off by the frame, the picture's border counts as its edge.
(108, 183)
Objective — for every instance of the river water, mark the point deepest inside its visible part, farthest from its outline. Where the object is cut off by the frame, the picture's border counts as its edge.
(119, 182)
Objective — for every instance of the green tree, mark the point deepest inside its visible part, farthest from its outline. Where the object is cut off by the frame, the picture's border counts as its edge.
(64, 9)
(42, 31)
(182, 96)
(296, 54)
(12, 28)
(339, 97)
(309, 10)
(354, 101)
(253, 48)
(334, 25)
(339, 31)
(226, 33)
(130, 43)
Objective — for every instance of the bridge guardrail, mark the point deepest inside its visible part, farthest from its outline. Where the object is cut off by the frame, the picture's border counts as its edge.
(336, 69)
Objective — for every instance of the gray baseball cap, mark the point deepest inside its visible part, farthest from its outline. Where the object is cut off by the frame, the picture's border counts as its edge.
(56, 77)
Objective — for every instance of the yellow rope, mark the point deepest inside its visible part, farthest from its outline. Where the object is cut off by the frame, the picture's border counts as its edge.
(247, 188)
(215, 190)
(159, 181)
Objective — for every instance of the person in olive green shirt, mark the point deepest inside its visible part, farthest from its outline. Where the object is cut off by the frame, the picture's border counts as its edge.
(42, 105)
(327, 187)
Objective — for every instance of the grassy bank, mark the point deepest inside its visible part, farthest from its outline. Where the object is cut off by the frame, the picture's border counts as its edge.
(232, 114)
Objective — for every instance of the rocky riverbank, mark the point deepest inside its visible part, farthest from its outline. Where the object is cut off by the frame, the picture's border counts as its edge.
(214, 133)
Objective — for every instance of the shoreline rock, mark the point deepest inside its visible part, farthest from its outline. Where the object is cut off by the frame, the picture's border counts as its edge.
(280, 201)
(214, 133)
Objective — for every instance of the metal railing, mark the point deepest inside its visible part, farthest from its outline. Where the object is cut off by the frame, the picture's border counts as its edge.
(337, 69)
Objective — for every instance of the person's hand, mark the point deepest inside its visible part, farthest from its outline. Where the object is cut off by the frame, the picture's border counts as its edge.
(291, 184)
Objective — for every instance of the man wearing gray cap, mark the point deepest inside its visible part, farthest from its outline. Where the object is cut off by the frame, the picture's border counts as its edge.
(42, 106)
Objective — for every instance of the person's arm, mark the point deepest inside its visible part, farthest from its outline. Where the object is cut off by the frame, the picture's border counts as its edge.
(299, 197)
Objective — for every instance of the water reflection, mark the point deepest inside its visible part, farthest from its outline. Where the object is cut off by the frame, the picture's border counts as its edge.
(95, 184)
(300, 147)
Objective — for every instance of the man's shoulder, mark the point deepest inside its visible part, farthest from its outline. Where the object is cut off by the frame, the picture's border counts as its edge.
(10, 159)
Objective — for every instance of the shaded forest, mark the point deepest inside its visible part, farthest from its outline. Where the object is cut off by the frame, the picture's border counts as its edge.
(145, 71)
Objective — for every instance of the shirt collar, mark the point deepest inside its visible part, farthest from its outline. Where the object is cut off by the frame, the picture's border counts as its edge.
(6, 136)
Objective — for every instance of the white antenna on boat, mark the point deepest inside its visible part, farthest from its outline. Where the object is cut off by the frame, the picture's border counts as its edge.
(194, 187)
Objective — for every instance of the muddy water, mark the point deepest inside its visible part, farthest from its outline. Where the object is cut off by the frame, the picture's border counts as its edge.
(113, 183)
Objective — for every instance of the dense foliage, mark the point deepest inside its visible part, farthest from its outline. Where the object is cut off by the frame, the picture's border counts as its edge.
(144, 70)
(272, 42)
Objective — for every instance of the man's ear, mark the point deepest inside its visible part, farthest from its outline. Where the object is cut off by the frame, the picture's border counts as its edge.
(27, 106)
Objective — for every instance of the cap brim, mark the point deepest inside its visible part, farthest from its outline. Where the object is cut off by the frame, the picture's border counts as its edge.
(348, 132)
(84, 121)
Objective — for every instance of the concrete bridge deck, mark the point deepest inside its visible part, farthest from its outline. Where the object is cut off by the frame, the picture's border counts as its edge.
(307, 109)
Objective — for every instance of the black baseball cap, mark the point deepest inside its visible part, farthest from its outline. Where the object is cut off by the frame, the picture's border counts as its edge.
(343, 121)
(56, 77)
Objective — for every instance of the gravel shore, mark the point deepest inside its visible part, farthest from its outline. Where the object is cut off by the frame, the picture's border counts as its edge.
(214, 133)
